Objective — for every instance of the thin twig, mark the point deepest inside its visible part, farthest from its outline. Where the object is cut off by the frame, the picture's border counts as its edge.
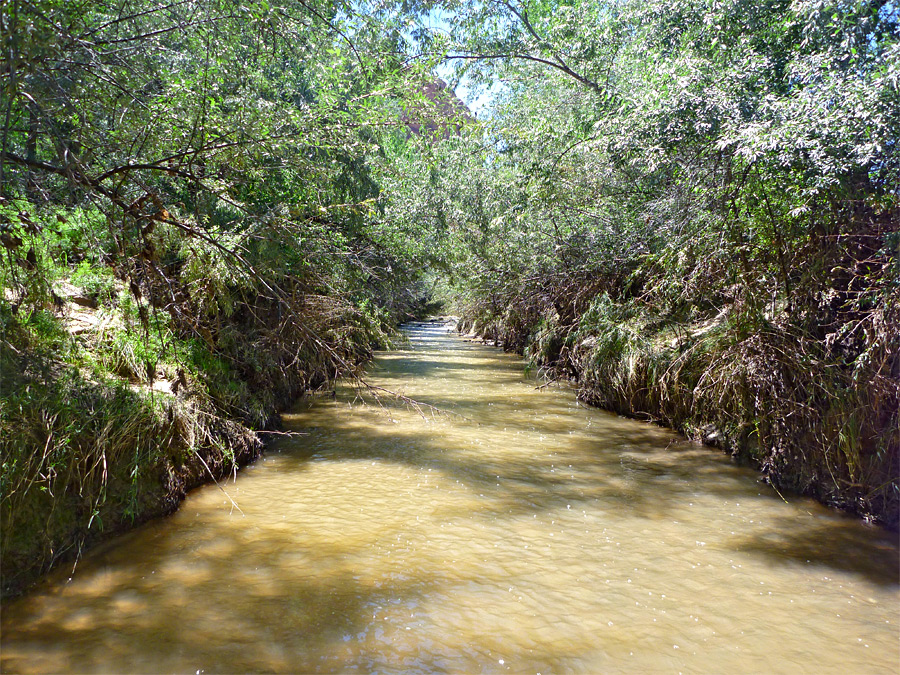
(218, 485)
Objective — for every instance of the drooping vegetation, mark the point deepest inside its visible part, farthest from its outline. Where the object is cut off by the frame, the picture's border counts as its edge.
(191, 238)
(692, 208)
(209, 208)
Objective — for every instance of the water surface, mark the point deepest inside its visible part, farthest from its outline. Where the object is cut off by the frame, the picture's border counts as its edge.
(511, 530)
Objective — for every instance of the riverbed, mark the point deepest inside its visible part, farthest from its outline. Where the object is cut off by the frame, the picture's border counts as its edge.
(481, 523)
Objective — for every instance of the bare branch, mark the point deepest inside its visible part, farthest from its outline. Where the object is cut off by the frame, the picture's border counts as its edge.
(560, 66)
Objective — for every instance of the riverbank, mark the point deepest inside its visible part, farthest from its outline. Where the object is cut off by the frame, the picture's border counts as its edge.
(816, 410)
(105, 424)
(382, 538)
(86, 460)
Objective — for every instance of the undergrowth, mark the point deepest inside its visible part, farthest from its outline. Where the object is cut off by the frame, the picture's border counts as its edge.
(87, 453)
(126, 378)
(805, 386)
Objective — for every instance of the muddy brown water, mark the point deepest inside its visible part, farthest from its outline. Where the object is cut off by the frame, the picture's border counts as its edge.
(523, 533)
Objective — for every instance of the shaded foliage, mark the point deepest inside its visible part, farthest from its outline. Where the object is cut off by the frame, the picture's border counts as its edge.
(191, 237)
(693, 207)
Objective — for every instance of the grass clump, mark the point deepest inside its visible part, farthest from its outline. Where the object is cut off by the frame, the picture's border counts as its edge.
(86, 456)
(805, 386)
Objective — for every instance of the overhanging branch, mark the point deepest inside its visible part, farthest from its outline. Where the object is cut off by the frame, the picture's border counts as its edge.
(558, 65)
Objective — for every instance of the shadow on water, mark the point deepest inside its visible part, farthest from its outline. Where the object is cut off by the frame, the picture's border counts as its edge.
(143, 613)
(423, 367)
(841, 543)
(228, 593)
(617, 464)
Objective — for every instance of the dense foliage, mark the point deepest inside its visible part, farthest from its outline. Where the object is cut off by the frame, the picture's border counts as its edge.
(207, 207)
(191, 235)
(693, 208)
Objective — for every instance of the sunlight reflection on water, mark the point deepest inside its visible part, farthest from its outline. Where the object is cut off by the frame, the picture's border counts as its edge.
(513, 531)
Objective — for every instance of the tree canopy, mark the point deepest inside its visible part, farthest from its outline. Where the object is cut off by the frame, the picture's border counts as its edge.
(691, 207)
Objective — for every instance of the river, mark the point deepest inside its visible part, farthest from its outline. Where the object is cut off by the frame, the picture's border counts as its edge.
(507, 529)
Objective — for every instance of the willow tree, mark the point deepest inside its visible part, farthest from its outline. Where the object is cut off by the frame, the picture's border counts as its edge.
(241, 130)
(649, 168)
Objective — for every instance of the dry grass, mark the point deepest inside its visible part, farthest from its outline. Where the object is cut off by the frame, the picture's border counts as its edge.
(811, 396)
